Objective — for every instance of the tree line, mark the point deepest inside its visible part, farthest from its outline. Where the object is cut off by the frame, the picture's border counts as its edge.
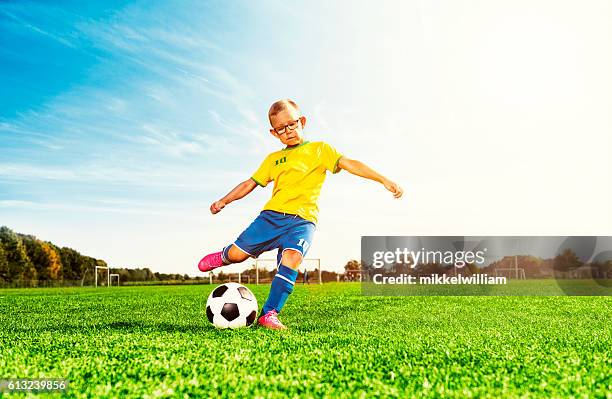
(28, 261)
(24, 257)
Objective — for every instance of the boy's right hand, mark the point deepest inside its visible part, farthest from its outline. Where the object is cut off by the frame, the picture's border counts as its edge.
(217, 206)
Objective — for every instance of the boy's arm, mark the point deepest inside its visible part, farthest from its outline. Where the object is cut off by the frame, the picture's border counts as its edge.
(360, 169)
(238, 192)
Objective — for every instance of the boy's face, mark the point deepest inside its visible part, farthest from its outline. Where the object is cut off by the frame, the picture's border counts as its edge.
(283, 122)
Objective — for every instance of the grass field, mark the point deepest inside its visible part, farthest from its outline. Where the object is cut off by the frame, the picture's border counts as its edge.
(156, 341)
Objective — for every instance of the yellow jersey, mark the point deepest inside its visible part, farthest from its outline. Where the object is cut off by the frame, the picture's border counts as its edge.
(298, 174)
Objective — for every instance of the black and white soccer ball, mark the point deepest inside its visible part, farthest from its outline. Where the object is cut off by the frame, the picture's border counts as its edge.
(231, 305)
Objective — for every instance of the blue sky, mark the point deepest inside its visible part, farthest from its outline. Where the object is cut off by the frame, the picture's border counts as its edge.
(120, 122)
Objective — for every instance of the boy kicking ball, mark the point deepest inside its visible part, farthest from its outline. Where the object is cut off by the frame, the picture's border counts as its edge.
(289, 218)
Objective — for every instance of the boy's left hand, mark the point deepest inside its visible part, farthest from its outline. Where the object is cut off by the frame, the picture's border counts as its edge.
(394, 188)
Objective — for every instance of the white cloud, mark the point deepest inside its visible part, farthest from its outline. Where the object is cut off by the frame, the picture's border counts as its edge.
(59, 39)
(141, 209)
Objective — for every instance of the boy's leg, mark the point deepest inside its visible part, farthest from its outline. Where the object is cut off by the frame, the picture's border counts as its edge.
(233, 254)
(282, 285)
(293, 247)
(280, 289)
(251, 242)
(230, 254)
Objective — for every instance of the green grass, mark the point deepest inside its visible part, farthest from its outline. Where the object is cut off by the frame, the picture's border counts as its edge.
(156, 341)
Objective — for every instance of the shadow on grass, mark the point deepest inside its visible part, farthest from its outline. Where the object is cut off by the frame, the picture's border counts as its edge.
(121, 326)
(201, 330)
(136, 326)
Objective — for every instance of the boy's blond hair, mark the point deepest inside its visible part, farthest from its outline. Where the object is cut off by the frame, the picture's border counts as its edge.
(281, 105)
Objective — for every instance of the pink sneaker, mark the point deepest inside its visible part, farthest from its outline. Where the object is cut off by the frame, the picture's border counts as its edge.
(270, 320)
(211, 261)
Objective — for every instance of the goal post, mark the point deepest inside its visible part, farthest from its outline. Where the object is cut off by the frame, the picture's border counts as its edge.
(109, 276)
(518, 272)
(310, 267)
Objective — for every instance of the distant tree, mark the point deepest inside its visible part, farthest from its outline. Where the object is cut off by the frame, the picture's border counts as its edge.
(148, 275)
(566, 261)
(88, 264)
(124, 274)
(53, 265)
(172, 276)
(19, 264)
(533, 266)
(144, 274)
(44, 257)
(400, 268)
(352, 265)
(328, 276)
(352, 270)
(603, 268)
(4, 266)
(72, 264)
(35, 254)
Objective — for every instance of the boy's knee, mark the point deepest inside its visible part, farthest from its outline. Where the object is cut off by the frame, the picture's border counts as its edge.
(291, 258)
(236, 255)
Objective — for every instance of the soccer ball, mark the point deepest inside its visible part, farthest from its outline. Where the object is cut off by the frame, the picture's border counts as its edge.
(231, 305)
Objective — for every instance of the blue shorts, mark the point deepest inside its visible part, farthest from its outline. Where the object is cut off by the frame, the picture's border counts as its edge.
(271, 230)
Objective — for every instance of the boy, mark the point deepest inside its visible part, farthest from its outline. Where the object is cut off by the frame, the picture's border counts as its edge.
(288, 219)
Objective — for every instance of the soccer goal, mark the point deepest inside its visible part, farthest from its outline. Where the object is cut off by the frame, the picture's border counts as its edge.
(516, 272)
(245, 276)
(308, 272)
(109, 276)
